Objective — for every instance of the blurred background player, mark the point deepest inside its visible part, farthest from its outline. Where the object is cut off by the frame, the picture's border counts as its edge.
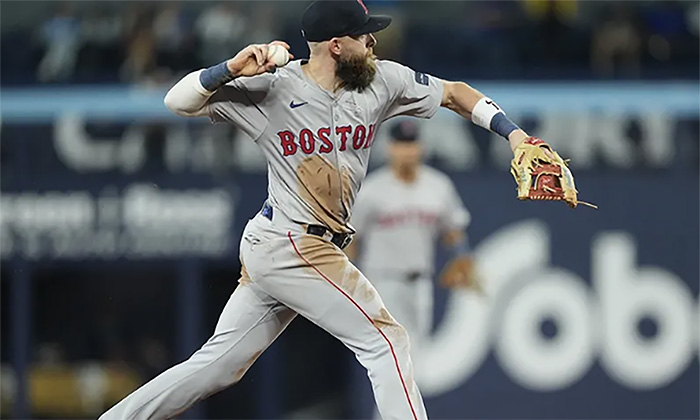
(403, 210)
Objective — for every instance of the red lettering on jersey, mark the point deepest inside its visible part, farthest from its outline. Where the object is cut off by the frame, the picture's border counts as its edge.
(343, 131)
(323, 135)
(288, 145)
(358, 139)
(370, 137)
(427, 218)
(307, 141)
(412, 216)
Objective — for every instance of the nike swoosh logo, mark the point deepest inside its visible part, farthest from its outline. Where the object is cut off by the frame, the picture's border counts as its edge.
(490, 102)
(293, 105)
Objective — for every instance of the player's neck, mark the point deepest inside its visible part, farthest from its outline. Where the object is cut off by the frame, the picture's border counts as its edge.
(322, 71)
(407, 175)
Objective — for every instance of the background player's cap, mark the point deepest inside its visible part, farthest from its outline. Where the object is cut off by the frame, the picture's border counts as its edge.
(326, 19)
(404, 131)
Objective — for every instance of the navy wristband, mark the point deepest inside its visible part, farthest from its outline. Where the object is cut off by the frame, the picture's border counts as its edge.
(216, 76)
(502, 125)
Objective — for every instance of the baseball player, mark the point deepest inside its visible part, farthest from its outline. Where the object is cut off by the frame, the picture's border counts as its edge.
(401, 213)
(314, 119)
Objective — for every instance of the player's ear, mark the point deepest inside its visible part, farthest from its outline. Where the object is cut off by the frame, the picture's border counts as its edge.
(334, 46)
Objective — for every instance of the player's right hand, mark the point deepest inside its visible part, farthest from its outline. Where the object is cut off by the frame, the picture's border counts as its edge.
(252, 60)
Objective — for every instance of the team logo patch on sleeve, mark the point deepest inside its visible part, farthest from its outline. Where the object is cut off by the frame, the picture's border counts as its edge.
(422, 78)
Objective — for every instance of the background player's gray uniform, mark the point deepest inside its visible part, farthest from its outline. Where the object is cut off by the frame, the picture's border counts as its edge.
(400, 225)
(317, 147)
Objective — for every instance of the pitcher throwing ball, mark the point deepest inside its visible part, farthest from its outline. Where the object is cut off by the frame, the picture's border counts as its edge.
(314, 120)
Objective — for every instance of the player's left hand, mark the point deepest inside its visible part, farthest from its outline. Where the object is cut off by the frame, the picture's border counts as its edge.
(541, 174)
(460, 273)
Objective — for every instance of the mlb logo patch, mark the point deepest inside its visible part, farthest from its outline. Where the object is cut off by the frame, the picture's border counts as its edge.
(422, 78)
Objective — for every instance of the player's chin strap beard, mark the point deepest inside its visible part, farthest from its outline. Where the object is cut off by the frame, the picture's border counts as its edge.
(355, 72)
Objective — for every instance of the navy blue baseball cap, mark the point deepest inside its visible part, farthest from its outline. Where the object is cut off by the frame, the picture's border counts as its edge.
(326, 19)
(405, 131)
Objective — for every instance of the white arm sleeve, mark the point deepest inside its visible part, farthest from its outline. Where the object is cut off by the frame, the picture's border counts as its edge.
(240, 102)
(188, 98)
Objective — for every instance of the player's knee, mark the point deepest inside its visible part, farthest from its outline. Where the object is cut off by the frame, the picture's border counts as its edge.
(231, 368)
(218, 364)
(223, 379)
(228, 372)
(217, 375)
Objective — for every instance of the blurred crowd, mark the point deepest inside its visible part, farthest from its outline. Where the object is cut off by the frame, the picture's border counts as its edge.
(99, 42)
(128, 42)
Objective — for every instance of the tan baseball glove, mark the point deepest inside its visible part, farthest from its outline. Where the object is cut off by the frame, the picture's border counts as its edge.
(541, 174)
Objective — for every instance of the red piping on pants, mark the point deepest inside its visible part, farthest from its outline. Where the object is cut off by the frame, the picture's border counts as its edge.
(391, 347)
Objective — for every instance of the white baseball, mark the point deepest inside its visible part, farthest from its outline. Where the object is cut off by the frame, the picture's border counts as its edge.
(278, 55)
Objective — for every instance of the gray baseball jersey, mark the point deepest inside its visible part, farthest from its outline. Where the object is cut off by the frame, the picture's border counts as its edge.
(399, 223)
(317, 143)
